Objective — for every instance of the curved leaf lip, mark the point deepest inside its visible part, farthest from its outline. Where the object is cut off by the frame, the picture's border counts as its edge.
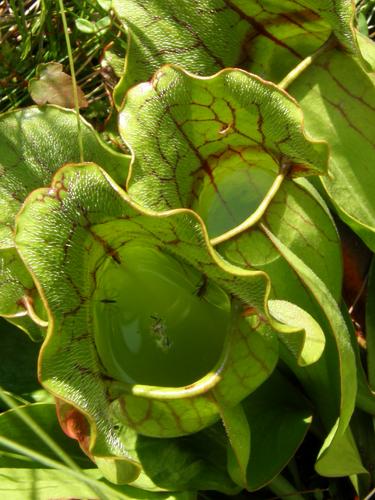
(87, 436)
(346, 34)
(197, 388)
(22, 132)
(95, 432)
(226, 266)
(93, 429)
(312, 334)
(213, 377)
(101, 422)
(152, 83)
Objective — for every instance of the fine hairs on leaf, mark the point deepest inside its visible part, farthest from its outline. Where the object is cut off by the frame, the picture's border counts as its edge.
(186, 233)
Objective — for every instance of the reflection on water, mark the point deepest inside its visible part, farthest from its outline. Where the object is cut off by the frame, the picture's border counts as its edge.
(155, 323)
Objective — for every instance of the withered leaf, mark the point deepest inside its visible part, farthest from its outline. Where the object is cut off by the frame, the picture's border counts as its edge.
(52, 85)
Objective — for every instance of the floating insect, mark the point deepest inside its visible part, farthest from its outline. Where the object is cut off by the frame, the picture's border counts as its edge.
(158, 330)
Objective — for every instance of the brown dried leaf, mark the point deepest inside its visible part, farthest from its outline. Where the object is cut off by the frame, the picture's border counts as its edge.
(52, 85)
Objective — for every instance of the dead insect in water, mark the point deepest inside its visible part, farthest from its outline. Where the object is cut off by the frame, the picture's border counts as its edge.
(158, 330)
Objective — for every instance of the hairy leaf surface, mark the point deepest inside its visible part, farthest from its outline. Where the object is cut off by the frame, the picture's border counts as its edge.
(268, 38)
(86, 237)
(35, 142)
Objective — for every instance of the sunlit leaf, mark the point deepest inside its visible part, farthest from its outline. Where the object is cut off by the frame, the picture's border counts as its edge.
(338, 101)
(90, 253)
(212, 135)
(35, 142)
(222, 145)
(267, 38)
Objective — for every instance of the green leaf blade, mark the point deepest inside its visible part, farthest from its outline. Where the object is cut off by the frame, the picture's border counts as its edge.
(210, 130)
(35, 143)
(267, 40)
(83, 237)
(338, 100)
(345, 376)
